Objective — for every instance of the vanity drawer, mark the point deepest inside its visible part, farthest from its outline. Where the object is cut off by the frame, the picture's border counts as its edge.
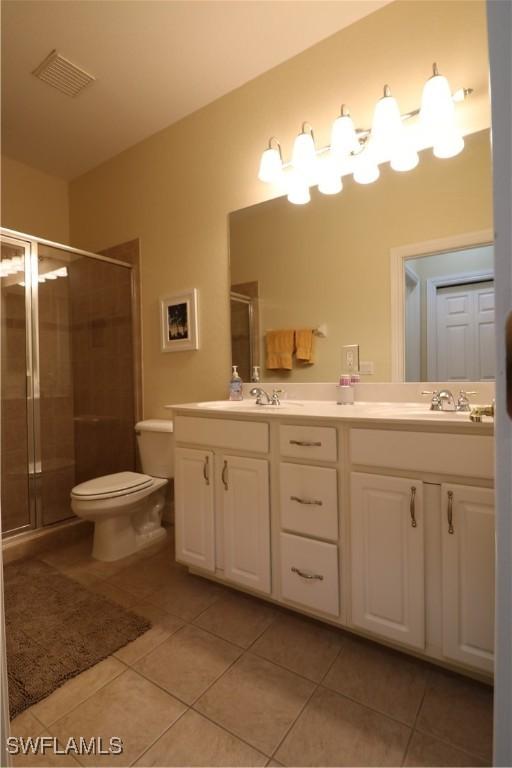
(309, 500)
(441, 453)
(318, 588)
(222, 433)
(308, 442)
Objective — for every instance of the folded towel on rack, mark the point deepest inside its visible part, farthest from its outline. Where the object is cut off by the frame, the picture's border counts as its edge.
(304, 341)
(279, 350)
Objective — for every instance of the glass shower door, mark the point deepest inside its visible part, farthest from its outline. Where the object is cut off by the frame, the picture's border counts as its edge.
(17, 470)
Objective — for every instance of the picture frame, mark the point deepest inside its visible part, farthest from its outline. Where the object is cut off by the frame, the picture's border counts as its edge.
(178, 322)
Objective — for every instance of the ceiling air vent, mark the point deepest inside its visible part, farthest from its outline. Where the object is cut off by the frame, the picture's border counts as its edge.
(62, 74)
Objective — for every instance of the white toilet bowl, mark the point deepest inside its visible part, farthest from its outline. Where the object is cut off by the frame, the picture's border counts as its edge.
(126, 508)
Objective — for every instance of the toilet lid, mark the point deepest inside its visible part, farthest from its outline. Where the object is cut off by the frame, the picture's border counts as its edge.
(113, 484)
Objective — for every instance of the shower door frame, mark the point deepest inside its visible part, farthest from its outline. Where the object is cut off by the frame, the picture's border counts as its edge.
(30, 244)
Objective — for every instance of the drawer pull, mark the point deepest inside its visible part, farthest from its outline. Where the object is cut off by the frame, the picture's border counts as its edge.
(306, 443)
(450, 512)
(413, 507)
(225, 475)
(309, 576)
(206, 470)
(314, 502)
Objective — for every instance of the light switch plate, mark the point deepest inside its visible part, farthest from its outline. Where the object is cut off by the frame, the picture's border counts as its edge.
(366, 367)
(350, 358)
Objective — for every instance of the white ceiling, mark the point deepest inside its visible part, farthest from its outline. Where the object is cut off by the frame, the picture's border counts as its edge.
(155, 62)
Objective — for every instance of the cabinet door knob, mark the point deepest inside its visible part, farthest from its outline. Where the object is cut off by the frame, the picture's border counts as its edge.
(450, 512)
(314, 502)
(309, 576)
(412, 507)
(206, 470)
(225, 475)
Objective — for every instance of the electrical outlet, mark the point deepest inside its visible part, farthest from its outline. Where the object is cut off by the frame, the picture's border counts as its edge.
(366, 367)
(350, 358)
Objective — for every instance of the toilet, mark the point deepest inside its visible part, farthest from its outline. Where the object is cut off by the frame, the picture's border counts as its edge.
(126, 507)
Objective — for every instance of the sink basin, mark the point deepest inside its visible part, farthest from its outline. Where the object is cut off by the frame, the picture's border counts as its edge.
(248, 405)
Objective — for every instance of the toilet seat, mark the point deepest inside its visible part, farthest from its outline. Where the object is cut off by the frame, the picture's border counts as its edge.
(111, 486)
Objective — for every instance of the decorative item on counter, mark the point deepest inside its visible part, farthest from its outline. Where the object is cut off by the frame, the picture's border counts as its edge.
(355, 378)
(235, 385)
(255, 378)
(345, 390)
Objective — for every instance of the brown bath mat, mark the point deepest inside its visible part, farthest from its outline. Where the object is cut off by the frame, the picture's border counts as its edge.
(56, 628)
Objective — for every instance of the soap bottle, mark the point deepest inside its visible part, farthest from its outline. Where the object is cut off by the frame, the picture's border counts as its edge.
(255, 378)
(235, 385)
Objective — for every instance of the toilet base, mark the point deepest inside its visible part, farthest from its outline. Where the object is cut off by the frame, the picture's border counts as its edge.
(116, 538)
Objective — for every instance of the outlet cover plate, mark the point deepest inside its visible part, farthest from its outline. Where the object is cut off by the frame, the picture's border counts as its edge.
(350, 358)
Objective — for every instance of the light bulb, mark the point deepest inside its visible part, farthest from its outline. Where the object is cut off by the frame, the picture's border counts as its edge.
(298, 189)
(329, 180)
(389, 138)
(449, 145)
(437, 115)
(304, 155)
(343, 136)
(271, 166)
(366, 170)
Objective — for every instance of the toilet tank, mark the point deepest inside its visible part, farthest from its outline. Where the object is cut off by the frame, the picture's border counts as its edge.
(155, 439)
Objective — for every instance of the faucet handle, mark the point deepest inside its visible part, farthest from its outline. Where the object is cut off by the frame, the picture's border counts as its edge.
(435, 404)
(463, 400)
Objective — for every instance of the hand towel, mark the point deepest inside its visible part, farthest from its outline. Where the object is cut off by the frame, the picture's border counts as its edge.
(304, 341)
(279, 350)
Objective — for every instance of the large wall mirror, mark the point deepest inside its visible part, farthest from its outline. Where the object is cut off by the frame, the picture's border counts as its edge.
(325, 268)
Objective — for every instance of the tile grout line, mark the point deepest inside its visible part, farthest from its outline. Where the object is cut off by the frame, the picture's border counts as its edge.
(317, 686)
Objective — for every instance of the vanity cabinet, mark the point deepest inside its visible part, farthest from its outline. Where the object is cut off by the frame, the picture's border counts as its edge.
(194, 508)
(366, 526)
(387, 557)
(468, 544)
(246, 513)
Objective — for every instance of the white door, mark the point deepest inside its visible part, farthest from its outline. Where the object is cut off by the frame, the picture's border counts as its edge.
(246, 507)
(387, 540)
(468, 574)
(465, 332)
(194, 514)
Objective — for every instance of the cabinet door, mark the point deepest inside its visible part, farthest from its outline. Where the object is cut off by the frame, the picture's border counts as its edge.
(245, 494)
(387, 553)
(468, 574)
(194, 514)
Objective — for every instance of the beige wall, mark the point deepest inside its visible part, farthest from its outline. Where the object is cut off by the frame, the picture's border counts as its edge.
(328, 262)
(34, 202)
(175, 189)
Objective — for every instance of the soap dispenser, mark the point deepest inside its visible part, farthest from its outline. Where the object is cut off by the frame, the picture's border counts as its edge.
(235, 385)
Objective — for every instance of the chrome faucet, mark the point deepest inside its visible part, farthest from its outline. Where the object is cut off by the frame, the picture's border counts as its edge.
(263, 398)
(463, 403)
(435, 403)
(447, 400)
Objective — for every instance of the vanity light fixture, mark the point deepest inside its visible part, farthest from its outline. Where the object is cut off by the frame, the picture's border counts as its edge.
(271, 163)
(304, 152)
(360, 151)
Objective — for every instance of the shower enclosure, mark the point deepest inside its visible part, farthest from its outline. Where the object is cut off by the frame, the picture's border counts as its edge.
(67, 376)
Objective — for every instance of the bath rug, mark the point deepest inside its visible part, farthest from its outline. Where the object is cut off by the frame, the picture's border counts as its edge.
(57, 628)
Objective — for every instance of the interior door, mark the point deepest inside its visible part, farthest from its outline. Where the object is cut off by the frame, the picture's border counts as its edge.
(465, 332)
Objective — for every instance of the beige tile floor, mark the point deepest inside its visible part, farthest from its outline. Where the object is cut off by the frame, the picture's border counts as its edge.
(222, 679)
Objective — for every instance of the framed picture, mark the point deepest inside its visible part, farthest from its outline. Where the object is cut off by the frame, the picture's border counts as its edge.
(179, 322)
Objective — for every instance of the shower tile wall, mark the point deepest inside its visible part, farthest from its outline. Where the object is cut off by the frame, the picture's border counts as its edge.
(103, 392)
